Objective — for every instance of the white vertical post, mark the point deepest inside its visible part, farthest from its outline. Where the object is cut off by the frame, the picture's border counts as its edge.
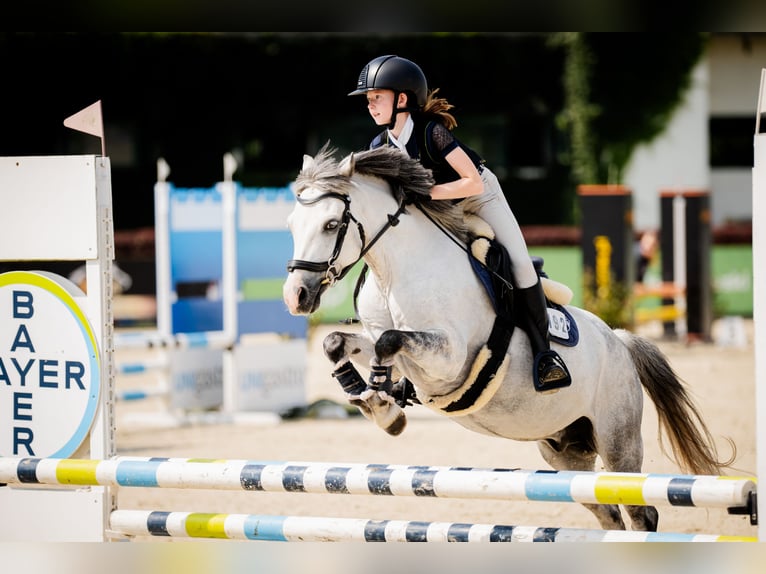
(229, 281)
(759, 297)
(99, 301)
(679, 261)
(162, 249)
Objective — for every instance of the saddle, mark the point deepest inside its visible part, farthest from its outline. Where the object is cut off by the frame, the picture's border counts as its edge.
(492, 264)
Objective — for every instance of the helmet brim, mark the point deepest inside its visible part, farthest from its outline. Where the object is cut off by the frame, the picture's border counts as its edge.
(359, 92)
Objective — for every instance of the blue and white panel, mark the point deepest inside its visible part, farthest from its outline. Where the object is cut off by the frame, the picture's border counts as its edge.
(196, 258)
(271, 375)
(196, 378)
(264, 245)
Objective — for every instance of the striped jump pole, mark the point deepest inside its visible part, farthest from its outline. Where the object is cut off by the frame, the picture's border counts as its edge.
(140, 367)
(158, 340)
(735, 493)
(139, 395)
(326, 529)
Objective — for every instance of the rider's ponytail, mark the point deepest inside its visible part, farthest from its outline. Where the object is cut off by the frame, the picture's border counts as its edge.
(439, 107)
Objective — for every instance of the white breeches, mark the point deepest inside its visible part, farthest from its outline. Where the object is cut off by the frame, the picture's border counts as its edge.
(494, 209)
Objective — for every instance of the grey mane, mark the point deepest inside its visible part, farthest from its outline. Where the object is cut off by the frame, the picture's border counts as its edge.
(406, 177)
(322, 174)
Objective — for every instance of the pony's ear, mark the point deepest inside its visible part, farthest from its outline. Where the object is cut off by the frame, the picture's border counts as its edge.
(307, 161)
(346, 167)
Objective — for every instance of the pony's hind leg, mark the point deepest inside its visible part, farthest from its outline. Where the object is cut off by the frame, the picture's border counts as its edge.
(378, 407)
(573, 449)
(643, 517)
(622, 450)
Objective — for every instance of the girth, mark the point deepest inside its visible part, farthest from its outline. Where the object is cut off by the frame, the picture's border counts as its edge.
(497, 345)
(491, 362)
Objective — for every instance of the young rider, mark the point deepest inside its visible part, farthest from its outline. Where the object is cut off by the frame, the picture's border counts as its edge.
(419, 123)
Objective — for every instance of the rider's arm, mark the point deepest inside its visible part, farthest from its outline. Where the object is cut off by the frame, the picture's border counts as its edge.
(469, 183)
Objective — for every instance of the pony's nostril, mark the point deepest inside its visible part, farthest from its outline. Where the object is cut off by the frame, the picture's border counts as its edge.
(302, 294)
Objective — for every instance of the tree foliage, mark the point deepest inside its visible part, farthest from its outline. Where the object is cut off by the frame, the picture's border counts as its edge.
(621, 90)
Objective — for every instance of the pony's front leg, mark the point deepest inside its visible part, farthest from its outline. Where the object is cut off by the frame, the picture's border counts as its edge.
(375, 402)
(433, 352)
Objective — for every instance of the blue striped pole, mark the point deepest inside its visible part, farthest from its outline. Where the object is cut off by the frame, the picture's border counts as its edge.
(327, 529)
(393, 480)
(141, 367)
(202, 339)
(137, 395)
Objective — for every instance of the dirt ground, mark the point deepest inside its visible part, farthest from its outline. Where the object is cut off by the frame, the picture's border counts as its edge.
(721, 379)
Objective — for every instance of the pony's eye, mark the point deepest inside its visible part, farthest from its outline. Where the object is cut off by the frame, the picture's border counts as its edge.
(331, 225)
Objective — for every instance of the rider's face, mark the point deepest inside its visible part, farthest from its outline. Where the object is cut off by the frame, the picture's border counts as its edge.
(380, 104)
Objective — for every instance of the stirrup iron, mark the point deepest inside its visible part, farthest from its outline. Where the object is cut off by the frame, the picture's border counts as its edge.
(556, 366)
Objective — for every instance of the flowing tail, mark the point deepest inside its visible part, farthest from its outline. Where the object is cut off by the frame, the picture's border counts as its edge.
(680, 421)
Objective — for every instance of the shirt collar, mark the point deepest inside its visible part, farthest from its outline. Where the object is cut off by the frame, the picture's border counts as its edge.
(404, 137)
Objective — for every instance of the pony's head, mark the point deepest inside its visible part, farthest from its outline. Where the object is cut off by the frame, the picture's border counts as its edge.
(328, 238)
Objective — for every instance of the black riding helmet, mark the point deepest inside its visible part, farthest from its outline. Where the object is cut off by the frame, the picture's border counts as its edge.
(394, 73)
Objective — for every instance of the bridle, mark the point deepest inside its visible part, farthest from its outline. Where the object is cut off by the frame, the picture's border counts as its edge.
(330, 267)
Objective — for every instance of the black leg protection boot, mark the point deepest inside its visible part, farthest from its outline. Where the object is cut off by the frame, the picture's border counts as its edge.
(350, 380)
(549, 371)
(380, 378)
(353, 385)
(404, 393)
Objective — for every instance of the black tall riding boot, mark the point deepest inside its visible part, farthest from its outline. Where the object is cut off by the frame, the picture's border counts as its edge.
(549, 371)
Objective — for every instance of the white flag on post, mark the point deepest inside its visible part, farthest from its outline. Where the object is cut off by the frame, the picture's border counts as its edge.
(87, 120)
(90, 121)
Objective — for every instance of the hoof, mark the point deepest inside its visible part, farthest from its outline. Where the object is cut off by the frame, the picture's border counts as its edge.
(397, 426)
(387, 415)
(363, 407)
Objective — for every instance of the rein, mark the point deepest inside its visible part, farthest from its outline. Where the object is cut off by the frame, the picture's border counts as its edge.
(332, 273)
(463, 247)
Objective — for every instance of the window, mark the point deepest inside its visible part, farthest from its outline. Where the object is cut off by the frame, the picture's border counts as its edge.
(731, 141)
